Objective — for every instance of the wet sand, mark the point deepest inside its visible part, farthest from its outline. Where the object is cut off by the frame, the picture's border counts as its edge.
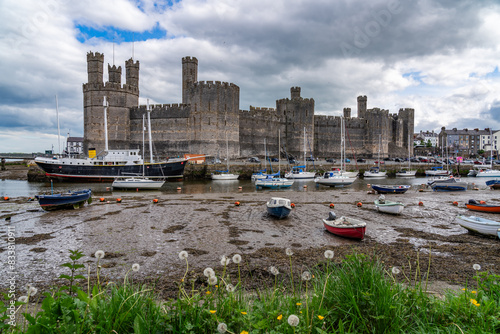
(210, 225)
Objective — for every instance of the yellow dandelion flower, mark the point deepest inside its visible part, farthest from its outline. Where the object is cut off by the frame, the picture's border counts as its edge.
(243, 313)
(208, 292)
(244, 332)
(212, 311)
(474, 302)
(298, 304)
(320, 317)
(464, 289)
(280, 317)
(474, 291)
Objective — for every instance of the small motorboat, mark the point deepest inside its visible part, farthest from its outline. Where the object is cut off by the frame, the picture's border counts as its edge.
(479, 225)
(437, 171)
(137, 183)
(345, 226)
(482, 206)
(493, 184)
(333, 179)
(299, 172)
(390, 189)
(391, 207)
(261, 174)
(273, 183)
(406, 173)
(279, 207)
(449, 184)
(224, 175)
(375, 172)
(69, 199)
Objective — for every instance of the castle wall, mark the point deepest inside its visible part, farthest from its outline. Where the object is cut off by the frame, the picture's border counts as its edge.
(256, 125)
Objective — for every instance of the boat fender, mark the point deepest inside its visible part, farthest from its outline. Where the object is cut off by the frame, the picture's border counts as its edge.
(119, 200)
(155, 200)
(240, 188)
(455, 203)
(421, 190)
(368, 185)
(482, 202)
(420, 204)
(179, 188)
(332, 205)
(292, 205)
(6, 198)
(102, 199)
(237, 203)
(359, 204)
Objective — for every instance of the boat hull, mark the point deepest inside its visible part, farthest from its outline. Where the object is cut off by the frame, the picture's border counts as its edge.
(274, 183)
(68, 200)
(107, 173)
(489, 173)
(134, 183)
(356, 231)
(483, 207)
(335, 181)
(399, 189)
(479, 225)
(225, 176)
(279, 212)
(300, 176)
(374, 174)
(394, 208)
(493, 184)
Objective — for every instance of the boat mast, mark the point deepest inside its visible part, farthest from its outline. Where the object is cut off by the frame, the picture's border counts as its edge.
(143, 147)
(265, 152)
(341, 145)
(409, 154)
(149, 136)
(227, 153)
(379, 144)
(279, 152)
(58, 128)
(105, 104)
(305, 160)
(491, 150)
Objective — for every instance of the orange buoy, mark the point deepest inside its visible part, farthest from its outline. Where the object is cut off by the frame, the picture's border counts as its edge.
(119, 200)
(455, 203)
(6, 198)
(237, 203)
(179, 188)
(475, 188)
(332, 205)
(368, 185)
(359, 204)
(421, 190)
(102, 199)
(239, 188)
(155, 200)
(292, 205)
(482, 202)
(420, 203)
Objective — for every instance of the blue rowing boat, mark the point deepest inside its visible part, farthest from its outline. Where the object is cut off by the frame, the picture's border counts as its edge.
(279, 207)
(390, 189)
(70, 199)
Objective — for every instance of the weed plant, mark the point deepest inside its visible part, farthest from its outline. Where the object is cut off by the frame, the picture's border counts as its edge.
(355, 295)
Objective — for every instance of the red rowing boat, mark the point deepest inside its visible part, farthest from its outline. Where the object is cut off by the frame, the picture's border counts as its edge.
(482, 206)
(345, 226)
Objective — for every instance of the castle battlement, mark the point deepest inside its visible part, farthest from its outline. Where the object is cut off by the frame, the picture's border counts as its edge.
(95, 56)
(285, 100)
(189, 59)
(217, 84)
(252, 108)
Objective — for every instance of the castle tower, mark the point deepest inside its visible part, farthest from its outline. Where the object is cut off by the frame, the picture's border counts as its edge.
(362, 102)
(189, 76)
(132, 73)
(120, 99)
(95, 67)
(115, 74)
(295, 93)
(347, 112)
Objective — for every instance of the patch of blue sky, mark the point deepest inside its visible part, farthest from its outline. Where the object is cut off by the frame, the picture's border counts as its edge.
(160, 6)
(417, 76)
(118, 35)
(491, 75)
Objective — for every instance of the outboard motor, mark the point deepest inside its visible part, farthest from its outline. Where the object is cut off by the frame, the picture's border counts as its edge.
(473, 201)
(332, 215)
(381, 199)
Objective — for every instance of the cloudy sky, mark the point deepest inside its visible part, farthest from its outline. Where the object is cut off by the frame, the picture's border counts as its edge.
(439, 57)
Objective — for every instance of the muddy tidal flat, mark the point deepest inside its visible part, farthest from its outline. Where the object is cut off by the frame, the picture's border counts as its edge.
(209, 225)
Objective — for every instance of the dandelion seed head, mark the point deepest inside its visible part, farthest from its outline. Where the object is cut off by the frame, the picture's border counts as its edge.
(236, 258)
(395, 270)
(293, 320)
(208, 272)
(230, 288)
(306, 276)
(274, 270)
(222, 328)
(289, 251)
(476, 267)
(32, 291)
(136, 267)
(212, 280)
(329, 254)
(23, 299)
(224, 261)
(99, 254)
(183, 255)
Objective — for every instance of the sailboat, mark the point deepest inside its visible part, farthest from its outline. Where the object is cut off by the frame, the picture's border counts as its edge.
(140, 182)
(438, 171)
(337, 178)
(224, 174)
(274, 181)
(489, 172)
(262, 174)
(300, 172)
(407, 172)
(375, 171)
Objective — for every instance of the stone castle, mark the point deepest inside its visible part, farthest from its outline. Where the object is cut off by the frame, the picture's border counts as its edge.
(209, 118)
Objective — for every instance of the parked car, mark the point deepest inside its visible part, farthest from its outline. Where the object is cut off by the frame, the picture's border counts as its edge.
(361, 160)
(381, 162)
(331, 160)
(347, 161)
(398, 160)
(309, 159)
(215, 161)
(477, 162)
(274, 160)
(254, 159)
(292, 161)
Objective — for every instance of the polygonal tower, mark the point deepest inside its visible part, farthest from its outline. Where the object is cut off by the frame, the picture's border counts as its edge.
(189, 76)
(362, 102)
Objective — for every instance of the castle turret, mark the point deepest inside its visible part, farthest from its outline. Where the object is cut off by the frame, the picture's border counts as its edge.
(115, 74)
(95, 67)
(189, 76)
(295, 93)
(347, 112)
(132, 73)
(362, 102)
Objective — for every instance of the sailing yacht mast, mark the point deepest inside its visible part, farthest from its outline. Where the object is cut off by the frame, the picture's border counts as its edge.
(279, 152)
(149, 135)
(341, 145)
(305, 160)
